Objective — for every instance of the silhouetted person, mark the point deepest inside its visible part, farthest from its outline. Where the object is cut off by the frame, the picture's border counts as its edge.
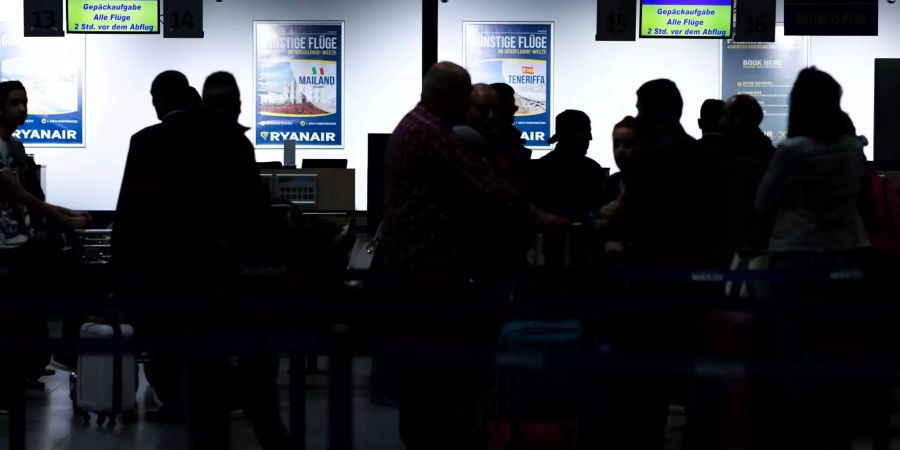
(668, 182)
(506, 108)
(511, 155)
(476, 127)
(668, 210)
(431, 183)
(741, 120)
(710, 124)
(505, 116)
(20, 197)
(225, 224)
(625, 141)
(503, 244)
(481, 111)
(566, 181)
(140, 244)
(812, 187)
(745, 153)
(813, 174)
(28, 258)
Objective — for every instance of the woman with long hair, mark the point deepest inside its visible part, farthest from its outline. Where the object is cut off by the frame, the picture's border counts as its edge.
(812, 186)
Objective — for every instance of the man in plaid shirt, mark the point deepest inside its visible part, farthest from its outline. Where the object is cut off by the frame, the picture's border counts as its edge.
(439, 200)
(436, 189)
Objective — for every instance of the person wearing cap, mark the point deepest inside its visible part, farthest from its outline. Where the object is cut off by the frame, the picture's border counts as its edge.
(566, 181)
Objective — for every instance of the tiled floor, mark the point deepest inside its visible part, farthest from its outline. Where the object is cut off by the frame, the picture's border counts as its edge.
(51, 425)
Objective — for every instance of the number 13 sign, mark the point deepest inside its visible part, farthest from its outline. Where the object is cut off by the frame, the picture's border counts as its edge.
(44, 18)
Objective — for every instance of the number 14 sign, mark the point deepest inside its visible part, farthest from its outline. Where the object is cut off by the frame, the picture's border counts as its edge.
(183, 19)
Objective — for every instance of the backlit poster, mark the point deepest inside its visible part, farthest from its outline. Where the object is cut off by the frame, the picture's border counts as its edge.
(52, 70)
(767, 71)
(299, 83)
(518, 54)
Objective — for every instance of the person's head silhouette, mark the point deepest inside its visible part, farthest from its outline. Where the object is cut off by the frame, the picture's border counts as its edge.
(222, 97)
(816, 107)
(505, 112)
(169, 90)
(483, 102)
(573, 132)
(711, 116)
(742, 112)
(849, 126)
(659, 103)
(446, 91)
(194, 100)
(13, 106)
(625, 140)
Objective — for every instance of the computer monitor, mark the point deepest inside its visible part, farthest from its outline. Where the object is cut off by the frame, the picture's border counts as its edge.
(324, 164)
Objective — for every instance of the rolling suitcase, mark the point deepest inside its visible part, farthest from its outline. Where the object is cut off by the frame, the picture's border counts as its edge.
(537, 389)
(106, 382)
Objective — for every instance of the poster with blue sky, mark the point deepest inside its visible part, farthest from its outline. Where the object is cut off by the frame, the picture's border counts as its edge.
(299, 84)
(518, 54)
(52, 70)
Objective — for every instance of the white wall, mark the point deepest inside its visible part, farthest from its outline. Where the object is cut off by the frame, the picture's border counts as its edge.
(383, 66)
(601, 78)
(382, 79)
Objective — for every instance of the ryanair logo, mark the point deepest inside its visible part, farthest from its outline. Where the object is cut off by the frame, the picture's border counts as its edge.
(303, 136)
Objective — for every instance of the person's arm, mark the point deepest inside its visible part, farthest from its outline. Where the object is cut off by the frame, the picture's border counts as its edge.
(778, 176)
(11, 189)
(479, 177)
(477, 173)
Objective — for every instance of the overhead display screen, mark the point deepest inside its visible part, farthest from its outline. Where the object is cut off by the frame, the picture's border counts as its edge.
(113, 16)
(709, 19)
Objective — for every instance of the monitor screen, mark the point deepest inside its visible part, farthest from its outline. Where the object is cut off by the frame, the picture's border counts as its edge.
(113, 16)
(691, 19)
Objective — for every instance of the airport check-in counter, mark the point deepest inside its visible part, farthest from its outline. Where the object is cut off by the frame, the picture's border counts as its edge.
(327, 192)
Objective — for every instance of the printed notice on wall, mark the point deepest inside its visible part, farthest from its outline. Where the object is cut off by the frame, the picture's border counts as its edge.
(767, 71)
(299, 84)
(518, 54)
(52, 70)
